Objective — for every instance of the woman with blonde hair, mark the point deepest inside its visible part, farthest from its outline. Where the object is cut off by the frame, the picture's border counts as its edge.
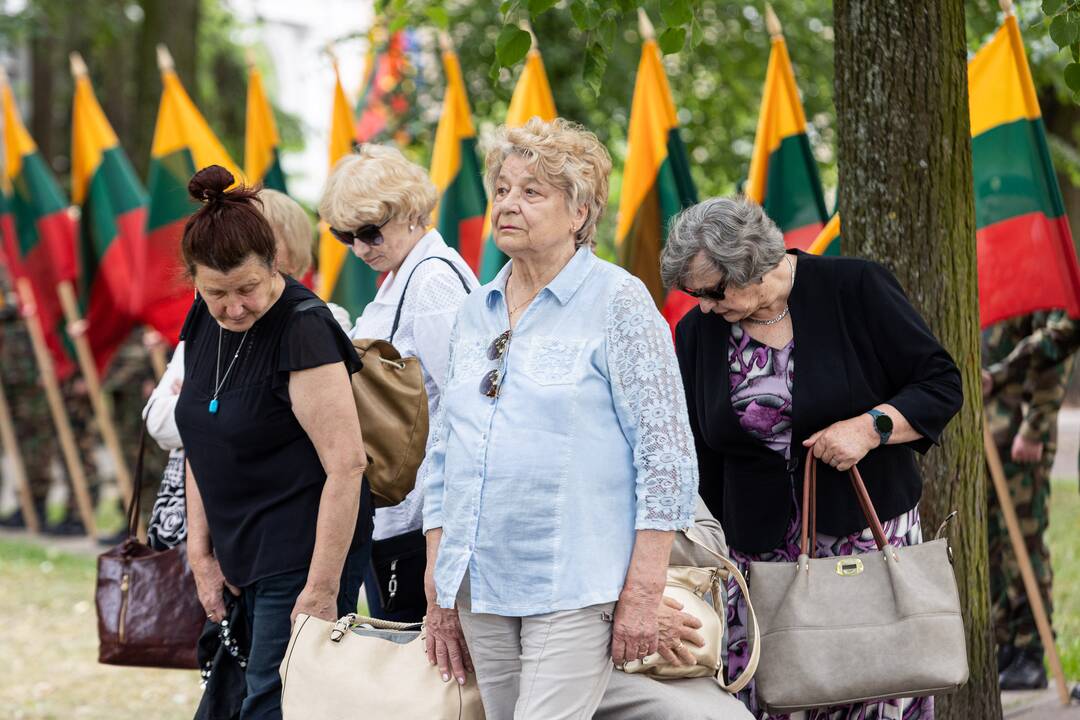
(562, 462)
(380, 204)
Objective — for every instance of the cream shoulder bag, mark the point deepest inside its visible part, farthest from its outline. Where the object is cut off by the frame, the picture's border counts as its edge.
(854, 628)
(698, 589)
(361, 667)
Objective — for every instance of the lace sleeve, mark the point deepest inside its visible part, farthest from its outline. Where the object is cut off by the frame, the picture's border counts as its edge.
(648, 393)
(430, 474)
(431, 312)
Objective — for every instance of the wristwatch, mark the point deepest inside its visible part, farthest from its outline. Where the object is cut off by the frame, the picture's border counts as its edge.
(882, 424)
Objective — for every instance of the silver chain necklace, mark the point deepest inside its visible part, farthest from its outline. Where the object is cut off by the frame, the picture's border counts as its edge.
(217, 368)
(783, 314)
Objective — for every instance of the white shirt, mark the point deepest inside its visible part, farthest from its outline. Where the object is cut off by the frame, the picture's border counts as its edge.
(427, 317)
(159, 412)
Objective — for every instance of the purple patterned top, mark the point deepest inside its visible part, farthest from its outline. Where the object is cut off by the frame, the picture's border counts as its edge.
(761, 378)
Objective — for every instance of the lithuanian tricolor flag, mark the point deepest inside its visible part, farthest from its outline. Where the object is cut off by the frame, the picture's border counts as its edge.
(40, 236)
(455, 169)
(113, 221)
(343, 278)
(532, 98)
(1027, 261)
(828, 240)
(262, 165)
(783, 173)
(183, 143)
(656, 181)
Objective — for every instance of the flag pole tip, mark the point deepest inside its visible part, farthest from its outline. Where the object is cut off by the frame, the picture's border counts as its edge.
(445, 44)
(772, 22)
(78, 66)
(527, 27)
(1007, 7)
(4, 80)
(249, 57)
(645, 26)
(165, 59)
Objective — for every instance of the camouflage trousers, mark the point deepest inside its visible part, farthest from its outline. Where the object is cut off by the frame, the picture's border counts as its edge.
(1029, 488)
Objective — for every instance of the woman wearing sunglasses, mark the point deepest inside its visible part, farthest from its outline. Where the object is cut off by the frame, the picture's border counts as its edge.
(789, 353)
(562, 461)
(379, 204)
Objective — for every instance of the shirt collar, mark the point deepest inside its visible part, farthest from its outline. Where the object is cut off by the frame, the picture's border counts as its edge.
(565, 284)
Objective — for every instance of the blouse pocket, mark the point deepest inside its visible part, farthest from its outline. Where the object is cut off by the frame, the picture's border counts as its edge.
(553, 360)
(470, 360)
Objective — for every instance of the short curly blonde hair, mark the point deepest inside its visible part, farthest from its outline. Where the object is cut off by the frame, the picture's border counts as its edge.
(291, 227)
(374, 183)
(565, 156)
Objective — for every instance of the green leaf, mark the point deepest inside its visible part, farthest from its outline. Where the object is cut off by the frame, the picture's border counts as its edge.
(1050, 7)
(697, 35)
(1072, 76)
(512, 45)
(586, 14)
(399, 23)
(508, 6)
(676, 12)
(1064, 30)
(607, 30)
(672, 40)
(1075, 48)
(593, 70)
(438, 16)
(538, 7)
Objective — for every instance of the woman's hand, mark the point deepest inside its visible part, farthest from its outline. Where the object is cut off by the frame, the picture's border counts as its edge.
(1026, 452)
(676, 629)
(844, 443)
(445, 643)
(320, 602)
(636, 630)
(209, 580)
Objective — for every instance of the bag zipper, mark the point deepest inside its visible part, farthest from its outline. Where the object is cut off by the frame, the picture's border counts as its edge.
(125, 585)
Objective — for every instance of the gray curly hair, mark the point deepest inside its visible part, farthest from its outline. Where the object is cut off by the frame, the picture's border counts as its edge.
(738, 238)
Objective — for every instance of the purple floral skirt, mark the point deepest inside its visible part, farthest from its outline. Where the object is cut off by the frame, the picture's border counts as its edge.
(902, 530)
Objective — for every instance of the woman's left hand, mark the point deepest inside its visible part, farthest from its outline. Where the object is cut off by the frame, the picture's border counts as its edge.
(316, 602)
(844, 443)
(636, 630)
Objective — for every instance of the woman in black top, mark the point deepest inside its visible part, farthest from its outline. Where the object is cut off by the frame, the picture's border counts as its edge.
(789, 353)
(277, 506)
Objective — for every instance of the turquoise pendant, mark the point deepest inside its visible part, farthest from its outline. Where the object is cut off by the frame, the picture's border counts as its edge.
(213, 406)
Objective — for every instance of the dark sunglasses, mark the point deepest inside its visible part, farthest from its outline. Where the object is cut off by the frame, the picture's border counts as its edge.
(370, 234)
(489, 384)
(714, 293)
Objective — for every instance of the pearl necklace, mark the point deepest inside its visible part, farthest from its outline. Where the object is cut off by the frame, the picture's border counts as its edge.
(783, 314)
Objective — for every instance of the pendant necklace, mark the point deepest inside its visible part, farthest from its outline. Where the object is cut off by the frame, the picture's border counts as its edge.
(783, 314)
(217, 368)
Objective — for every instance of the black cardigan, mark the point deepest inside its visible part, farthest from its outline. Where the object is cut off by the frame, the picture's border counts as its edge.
(858, 343)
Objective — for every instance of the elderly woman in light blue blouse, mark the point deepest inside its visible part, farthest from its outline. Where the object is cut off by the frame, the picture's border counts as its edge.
(561, 461)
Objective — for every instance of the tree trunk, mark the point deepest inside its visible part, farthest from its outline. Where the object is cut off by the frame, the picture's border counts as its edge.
(906, 200)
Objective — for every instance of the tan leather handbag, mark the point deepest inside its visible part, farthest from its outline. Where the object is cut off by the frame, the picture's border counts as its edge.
(698, 589)
(854, 628)
(360, 667)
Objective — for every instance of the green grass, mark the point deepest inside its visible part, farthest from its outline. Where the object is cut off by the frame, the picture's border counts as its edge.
(1064, 540)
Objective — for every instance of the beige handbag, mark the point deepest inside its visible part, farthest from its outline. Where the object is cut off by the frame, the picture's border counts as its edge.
(360, 668)
(854, 628)
(698, 589)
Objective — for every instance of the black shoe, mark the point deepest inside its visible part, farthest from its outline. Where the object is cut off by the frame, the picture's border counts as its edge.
(1076, 693)
(69, 527)
(1005, 655)
(1025, 673)
(16, 520)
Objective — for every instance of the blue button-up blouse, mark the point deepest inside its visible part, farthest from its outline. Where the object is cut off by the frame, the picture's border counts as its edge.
(539, 491)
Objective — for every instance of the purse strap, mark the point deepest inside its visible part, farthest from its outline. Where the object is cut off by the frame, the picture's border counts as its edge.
(346, 622)
(136, 486)
(755, 649)
(401, 302)
(808, 541)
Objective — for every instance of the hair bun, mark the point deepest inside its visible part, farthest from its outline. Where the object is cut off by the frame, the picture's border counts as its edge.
(210, 183)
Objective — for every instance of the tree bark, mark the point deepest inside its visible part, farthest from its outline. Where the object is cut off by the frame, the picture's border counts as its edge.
(906, 199)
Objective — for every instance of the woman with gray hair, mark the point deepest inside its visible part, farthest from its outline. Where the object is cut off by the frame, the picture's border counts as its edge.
(873, 385)
(561, 463)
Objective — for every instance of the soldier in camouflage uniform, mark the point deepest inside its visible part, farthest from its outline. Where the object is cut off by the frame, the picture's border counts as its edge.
(1023, 421)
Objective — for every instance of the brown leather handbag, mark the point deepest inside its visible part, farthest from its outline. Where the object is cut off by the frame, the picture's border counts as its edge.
(148, 609)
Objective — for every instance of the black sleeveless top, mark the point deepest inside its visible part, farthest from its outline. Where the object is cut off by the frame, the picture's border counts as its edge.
(256, 469)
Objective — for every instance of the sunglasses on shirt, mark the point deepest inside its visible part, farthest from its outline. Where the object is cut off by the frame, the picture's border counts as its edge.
(369, 234)
(489, 384)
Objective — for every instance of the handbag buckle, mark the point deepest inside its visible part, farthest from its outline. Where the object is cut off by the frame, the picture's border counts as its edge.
(849, 566)
(341, 627)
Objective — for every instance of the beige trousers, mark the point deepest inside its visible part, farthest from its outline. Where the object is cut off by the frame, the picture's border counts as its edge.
(554, 666)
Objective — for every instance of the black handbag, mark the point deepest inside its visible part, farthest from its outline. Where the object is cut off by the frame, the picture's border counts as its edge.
(398, 564)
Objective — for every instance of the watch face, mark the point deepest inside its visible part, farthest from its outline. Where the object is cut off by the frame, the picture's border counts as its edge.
(883, 423)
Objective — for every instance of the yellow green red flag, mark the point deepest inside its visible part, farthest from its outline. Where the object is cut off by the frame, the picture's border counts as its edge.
(783, 173)
(183, 143)
(113, 205)
(343, 278)
(532, 98)
(455, 169)
(262, 163)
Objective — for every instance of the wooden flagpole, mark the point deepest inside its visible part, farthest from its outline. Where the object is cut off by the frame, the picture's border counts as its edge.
(11, 446)
(1027, 572)
(77, 333)
(68, 447)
